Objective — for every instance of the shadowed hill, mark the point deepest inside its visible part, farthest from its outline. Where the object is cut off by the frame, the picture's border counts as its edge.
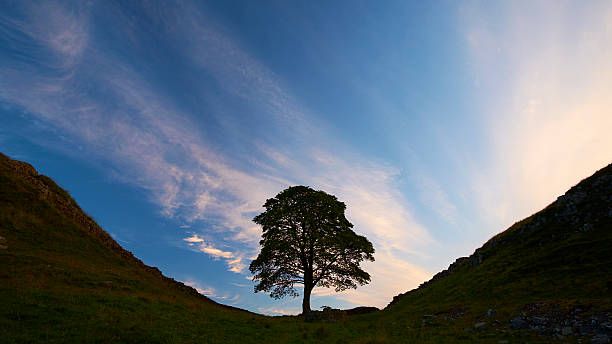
(30, 200)
(536, 275)
(64, 279)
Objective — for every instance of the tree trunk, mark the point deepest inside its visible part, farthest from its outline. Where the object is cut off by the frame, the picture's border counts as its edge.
(306, 301)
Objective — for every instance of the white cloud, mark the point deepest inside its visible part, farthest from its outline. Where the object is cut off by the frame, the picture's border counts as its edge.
(277, 311)
(217, 253)
(61, 29)
(206, 291)
(549, 72)
(378, 211)
(236, 265)
(433, 195)
(225, 297)
(236, 71)
(154, 144)
(241, 285)
(234, 261)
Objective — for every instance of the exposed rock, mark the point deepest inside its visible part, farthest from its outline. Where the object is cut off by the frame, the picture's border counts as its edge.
(518, 323)
(539, 320)
(490, 312)
(480, 325)
(552, 320)
(600, 339)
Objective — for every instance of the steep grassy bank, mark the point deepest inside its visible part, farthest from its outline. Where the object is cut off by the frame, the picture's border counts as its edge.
(63, 279)
(549, 274)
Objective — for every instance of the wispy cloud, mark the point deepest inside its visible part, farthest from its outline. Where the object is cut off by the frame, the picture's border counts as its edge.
(432, 194)
(278, 311)
(548, 106)
(224, 297)
(378, 210)
(60, 29)
(142, 134)
(234, 262)
(155, 144)
(213, 50)
(206, 291)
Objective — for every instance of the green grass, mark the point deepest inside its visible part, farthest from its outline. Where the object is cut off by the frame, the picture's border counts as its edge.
(64, 282)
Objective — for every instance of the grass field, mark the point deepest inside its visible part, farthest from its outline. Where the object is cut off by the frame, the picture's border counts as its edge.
(64, 280)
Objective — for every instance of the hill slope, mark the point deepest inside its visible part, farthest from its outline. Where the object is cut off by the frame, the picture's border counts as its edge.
(550, 273)
(64, 279)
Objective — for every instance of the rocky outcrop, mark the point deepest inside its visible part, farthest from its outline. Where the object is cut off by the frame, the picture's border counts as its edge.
(551, 320)
(3, 244)
(47, 190)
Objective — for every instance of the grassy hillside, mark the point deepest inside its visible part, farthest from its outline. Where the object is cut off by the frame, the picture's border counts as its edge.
(548, 274)
(63, 279)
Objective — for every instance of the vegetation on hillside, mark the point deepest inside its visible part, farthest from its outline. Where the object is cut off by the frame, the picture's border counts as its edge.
(63, 279)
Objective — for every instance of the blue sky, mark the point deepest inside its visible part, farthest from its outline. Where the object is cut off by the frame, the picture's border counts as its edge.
(439, 124)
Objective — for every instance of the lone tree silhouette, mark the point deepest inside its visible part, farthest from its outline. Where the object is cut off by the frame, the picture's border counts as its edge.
(308, 240)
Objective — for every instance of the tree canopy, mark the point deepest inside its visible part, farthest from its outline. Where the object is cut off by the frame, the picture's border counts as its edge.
(308, 240)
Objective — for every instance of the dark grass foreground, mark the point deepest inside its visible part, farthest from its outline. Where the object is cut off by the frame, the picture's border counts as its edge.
(63, 279)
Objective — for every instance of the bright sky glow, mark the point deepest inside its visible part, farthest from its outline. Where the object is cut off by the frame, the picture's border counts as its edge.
(439, 124)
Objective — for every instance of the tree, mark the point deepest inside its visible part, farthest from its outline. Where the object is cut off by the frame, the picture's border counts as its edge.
(308, 240)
